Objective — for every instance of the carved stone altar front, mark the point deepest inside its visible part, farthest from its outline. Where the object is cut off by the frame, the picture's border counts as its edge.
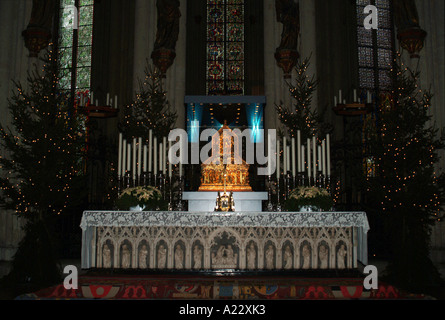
(185, 241)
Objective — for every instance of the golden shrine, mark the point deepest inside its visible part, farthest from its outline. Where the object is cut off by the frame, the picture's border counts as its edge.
(231, 176)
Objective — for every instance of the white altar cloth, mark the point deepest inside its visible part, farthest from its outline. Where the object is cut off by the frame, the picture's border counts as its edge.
(91, 220)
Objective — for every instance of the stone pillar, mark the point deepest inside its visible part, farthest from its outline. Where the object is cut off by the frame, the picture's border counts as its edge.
(432, 74)
(175, 82)
(14, 64)
(144, 38)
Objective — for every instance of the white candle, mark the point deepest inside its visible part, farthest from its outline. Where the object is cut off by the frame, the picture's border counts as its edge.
(278, 158)
(160, 158)
(309, 158)
(150, 149)
(294, 153)
(155, 155)
(124, 152)
(323, 146)
(328, 153)
(314, 151)
(145, 158)
(303, 164)
(288, 158)
(129, 157)
(134, 158)
(180, 169)
(164, 155)
(140, 157)
(320, 163)
(97, 102)
(119, 156)
(92, 98)
(300, 165)
(169, 163)
(335, 101)
(284, 155)
(108, 99)
(339, 96)
(115, 102)
(355, 95)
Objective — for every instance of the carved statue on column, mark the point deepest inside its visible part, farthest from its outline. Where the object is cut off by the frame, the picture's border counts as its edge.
(167, 34)
(409, 33)
(288, 13)
(38, 33)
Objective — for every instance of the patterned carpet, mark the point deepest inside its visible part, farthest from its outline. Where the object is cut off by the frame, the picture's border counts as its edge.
(211, 287)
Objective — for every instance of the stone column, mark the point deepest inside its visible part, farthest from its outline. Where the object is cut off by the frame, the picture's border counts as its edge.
(144, 38)
(14, 64)
(175, 82)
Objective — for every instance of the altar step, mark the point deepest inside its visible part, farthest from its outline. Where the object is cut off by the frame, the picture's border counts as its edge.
(219, 287)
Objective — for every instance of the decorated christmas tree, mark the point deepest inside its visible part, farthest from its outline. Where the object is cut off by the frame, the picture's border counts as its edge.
(151, 109)
(41, 168)
(407, 192)
(300, 116)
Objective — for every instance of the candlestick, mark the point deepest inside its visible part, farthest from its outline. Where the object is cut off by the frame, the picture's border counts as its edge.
(300, 165)
(119, 156)
(309, 158)
(140, 157)
(129, 157)
(323, 147)
(288, 158)
(169, 162)
(150, 149)
(164, 155)
(285, 155)
(278, 159)
(134, 159)
(124, 152)
(314, 150)
(294, 153)
(155, 155)
(145, 158)
(328, 153)
(160, 158)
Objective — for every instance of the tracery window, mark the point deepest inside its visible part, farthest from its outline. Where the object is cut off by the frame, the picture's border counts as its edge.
(75, 44)
(225, 47)
(375, 47)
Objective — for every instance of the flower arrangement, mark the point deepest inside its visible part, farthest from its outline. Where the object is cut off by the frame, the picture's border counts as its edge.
(146, 198)
(312, 198)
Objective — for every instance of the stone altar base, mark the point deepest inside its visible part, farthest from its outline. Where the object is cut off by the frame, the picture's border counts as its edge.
(223, 242)
(206, 201)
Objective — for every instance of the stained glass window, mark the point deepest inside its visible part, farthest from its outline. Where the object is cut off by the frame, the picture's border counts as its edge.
(75, 44)
(375, 47)
(225, 47)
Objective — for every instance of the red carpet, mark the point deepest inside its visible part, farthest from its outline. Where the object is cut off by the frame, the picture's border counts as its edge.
(219, 288)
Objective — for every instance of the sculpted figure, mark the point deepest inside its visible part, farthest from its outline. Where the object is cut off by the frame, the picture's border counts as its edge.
(125, 263)
(288, 258)
(405, 14)
(288, 13)
(143, 253)
(323, 255)
(106, 256)
(341, 254)
(162, 257)
(306, 257)
(168, 24)
(251, 257)
(197, 257)
(270, 257)
(179, 257)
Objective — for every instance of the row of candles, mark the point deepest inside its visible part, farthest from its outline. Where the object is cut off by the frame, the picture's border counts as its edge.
(83, 101)
(137, 157)
(310, 158)
(356, 100)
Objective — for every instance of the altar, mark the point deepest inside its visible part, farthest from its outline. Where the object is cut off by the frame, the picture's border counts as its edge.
(242, 241)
